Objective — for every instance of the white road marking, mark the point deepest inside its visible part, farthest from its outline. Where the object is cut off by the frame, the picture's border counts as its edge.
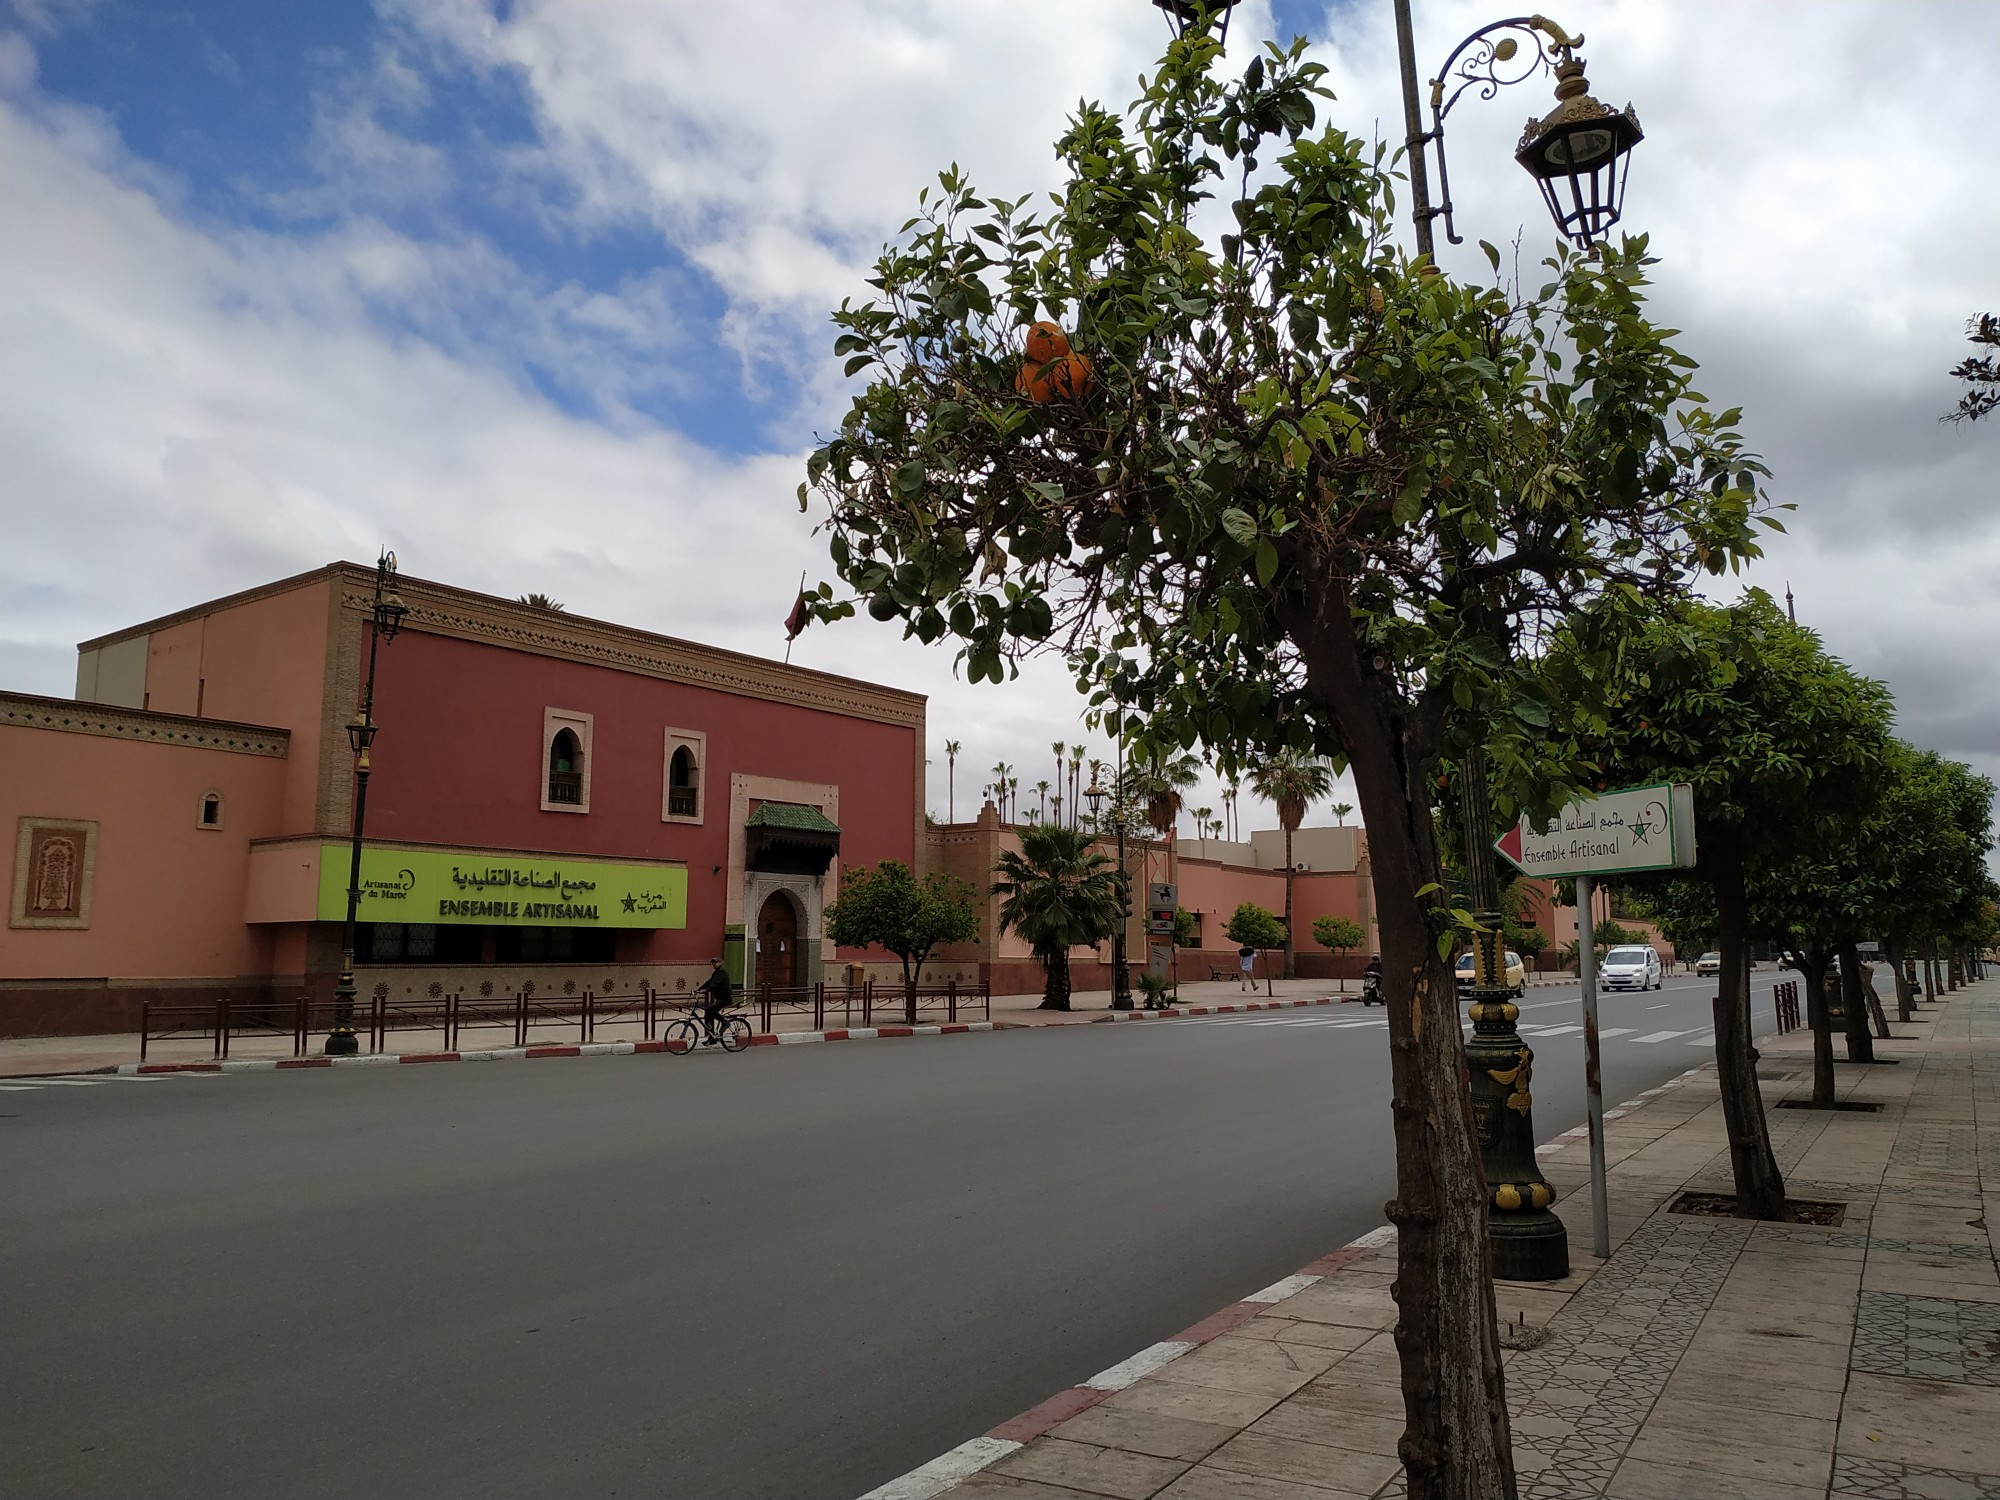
(1131, 1371)
(1660, 1036)
(1551, 1030)
(66, 1083)
(941, 1473)
(1615, 1031)
(1703, 1041)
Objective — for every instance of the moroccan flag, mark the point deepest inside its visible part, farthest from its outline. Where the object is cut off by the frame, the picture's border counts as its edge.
(796, 620)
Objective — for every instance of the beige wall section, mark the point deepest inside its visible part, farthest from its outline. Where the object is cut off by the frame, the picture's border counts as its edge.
(284, 881)
(167, 896)
(113, 674)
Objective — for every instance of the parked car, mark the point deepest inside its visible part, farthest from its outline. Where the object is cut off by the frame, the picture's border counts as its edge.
(1634, 966)
(1517, 974)
(1708, 963)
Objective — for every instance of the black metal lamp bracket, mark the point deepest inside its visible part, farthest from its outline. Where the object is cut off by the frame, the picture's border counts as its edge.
(1481, 61)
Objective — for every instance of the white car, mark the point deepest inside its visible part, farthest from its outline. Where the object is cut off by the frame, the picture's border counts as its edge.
(1708, 964)
(1633, 967)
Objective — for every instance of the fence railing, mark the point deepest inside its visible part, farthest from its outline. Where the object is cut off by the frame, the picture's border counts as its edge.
(1786, 994)
(520, 1016)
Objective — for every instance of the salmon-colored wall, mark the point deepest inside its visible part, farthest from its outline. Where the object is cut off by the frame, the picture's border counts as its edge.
(261, 662)
(167, 896)
(1334, 893)
(459, 760)
(1216, 890)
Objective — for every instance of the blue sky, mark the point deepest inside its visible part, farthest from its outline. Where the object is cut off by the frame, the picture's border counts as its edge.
(536, 291)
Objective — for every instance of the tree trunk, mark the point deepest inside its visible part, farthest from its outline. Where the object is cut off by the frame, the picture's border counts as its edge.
(1760, 1186)
(1906, 1006)
(1872, 995)
(1456, 1441)
(1854, 1007)
(1291, 956)
(1930, 974)
(1956, 972)
(1055, 981)
(1812, 970)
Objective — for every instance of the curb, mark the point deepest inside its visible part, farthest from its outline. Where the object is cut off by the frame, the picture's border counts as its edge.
(970, 1457)
(1207, 1010)
(582, 1049)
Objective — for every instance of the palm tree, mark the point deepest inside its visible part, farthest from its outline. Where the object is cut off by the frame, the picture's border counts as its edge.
(1201, 817)
(1340, 812)
(951, 749)
(1013, 796)
(1293, 781)
(538, 601)
(1058, 746)
(1075, 784)
(1000, 770)
(1229, 805)
(1058, 894)
(1160, 778)
(1056, 807)
(1042, 791)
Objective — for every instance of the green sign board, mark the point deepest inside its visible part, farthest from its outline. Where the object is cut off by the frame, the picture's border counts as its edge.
(501, 890)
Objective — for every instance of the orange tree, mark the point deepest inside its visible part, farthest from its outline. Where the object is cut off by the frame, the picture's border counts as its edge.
(1305, 494)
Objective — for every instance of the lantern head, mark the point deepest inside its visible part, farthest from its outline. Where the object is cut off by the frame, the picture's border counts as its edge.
(1579, 154)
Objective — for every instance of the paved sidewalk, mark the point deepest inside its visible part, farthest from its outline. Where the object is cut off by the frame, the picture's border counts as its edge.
(1709, 1357)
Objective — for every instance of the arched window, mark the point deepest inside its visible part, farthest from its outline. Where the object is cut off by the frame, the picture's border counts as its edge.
(682, 784)
(686, 753)
(210, 815)
(566, 768)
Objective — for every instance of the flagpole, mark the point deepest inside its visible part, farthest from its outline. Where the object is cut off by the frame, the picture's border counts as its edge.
(795, 598)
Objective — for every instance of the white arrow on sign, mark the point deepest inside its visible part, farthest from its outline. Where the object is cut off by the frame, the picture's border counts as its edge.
(1634, 828)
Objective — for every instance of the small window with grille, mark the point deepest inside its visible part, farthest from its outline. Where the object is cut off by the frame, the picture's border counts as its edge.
(686, 759)
(565, 761)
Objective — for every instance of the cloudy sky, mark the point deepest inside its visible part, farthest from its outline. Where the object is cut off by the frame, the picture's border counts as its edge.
(536, 293)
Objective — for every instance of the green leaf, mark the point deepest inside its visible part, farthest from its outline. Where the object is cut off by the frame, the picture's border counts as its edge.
(1242, 528)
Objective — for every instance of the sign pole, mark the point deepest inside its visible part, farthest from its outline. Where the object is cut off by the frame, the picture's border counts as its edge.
(1593, 1079)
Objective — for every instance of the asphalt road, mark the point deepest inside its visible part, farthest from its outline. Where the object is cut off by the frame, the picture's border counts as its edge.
(794, 1273)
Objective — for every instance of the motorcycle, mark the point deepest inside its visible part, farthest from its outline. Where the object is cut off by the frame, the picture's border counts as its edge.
(1371, 990)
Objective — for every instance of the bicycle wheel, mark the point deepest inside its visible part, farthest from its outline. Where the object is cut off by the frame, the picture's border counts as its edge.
(681, 1036)
(735, 1034)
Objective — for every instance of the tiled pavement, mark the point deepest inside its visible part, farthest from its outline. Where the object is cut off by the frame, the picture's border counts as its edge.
(1709, 1357)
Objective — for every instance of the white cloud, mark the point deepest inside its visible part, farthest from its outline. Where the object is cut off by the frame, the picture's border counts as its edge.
(190, 409)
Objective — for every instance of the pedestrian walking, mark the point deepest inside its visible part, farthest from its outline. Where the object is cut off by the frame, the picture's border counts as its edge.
(1246, 968)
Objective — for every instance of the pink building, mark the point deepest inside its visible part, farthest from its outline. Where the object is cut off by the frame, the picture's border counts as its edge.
(181, 827)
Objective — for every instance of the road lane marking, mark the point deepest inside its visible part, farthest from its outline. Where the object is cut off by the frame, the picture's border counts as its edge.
(1660, 1036)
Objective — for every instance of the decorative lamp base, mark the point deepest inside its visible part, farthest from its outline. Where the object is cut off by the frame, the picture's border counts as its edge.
(342, 1044)
(1528, 1242)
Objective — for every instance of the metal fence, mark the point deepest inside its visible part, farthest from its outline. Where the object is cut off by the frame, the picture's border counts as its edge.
(1786, 994)
(527, 1016)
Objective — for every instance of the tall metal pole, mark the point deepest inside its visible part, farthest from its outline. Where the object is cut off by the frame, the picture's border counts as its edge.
(1121, 973)
(340, 1039)
(1414, 137)
(1593, 1079)
(1529, 1243)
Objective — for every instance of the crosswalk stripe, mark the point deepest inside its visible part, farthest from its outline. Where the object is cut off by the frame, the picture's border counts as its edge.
(66, 1083)
(1660, 1036)
(1550, 1030)
(1615, 1031)
(1703, 1041)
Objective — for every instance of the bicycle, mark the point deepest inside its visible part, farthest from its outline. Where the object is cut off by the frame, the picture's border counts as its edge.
(731, 1033)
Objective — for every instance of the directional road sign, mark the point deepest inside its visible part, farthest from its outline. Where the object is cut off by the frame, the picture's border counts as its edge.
(1613, 833)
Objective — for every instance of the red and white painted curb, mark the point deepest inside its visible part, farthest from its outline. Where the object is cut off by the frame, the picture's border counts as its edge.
(582, 1049)
(970, 1457)
(1212, 1010)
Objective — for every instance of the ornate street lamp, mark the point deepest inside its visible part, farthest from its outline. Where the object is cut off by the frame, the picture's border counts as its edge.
(1185, 14)
(1578, 154)
(385, 618)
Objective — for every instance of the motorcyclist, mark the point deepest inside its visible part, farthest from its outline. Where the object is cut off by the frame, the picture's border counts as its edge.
(1371, 981)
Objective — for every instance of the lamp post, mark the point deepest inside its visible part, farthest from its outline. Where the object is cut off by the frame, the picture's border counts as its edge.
(1578, 155)
(385, 618)
(1121, 972)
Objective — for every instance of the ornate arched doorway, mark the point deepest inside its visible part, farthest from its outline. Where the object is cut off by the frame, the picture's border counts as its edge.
(780, 957)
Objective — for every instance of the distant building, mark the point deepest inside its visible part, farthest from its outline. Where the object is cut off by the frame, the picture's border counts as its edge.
(555, 801)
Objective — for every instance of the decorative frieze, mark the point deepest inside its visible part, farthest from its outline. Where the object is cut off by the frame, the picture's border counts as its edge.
(66, 716)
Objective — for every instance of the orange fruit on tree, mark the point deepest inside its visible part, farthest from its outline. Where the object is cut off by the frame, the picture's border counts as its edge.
(1032, 380)
(1070, 377)
(1046, 342)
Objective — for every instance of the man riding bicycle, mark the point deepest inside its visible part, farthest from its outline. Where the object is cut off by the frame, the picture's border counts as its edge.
(716, 991)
